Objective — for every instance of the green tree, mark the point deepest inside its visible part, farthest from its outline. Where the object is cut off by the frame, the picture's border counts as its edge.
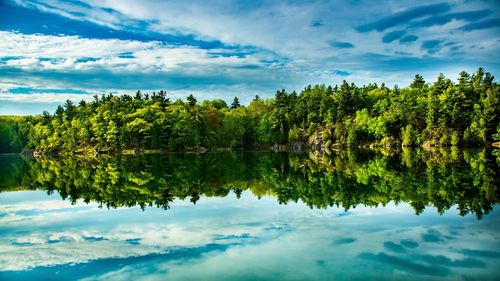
(418, 82)
(236, 103)
(191, 100)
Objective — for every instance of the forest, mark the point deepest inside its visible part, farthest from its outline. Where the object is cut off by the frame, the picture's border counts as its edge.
(464, 113)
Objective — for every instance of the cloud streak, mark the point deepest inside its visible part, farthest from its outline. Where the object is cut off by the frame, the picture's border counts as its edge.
(446, 18)
(485, 24)
(341, 45)
(394, 35)
(404, 17)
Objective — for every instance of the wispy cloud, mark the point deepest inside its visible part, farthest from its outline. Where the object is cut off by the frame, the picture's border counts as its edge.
(432, 46)
(394, 35)
(485, 24)
(341, 44)
(404, 17)
(407, 39)
(446, 18)
(341, 73)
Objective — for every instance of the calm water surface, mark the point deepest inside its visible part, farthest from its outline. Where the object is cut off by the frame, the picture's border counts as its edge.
(252, 216)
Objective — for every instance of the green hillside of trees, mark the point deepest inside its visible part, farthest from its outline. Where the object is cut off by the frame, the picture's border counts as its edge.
(441, 113)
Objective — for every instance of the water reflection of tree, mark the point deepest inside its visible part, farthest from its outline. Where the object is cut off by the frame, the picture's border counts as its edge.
(443, 178)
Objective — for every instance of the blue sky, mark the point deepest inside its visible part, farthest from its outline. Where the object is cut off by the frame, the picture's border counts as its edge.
(55, 50)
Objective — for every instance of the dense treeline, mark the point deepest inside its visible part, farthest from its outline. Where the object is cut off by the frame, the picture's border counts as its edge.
(442, 113)
(466, 179)
(12, 140)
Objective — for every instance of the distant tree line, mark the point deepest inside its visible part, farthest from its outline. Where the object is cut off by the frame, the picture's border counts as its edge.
(442, 113)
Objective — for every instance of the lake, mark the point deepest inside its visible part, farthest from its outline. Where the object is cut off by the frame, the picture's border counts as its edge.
(354, 215)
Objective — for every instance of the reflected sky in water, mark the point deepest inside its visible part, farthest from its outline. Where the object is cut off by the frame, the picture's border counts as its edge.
(225, 238)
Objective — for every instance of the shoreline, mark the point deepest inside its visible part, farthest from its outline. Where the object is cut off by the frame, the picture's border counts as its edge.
(273, 149)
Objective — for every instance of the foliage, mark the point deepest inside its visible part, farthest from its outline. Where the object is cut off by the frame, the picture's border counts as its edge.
(466, 113)
(11, 138)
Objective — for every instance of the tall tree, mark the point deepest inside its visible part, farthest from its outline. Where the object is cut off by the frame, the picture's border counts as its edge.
(236, 103)
(191, 100)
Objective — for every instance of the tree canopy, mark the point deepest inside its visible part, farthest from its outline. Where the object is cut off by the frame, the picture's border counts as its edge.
(441, 113)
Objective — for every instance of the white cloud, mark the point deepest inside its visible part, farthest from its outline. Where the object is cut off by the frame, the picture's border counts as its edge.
(72, 53)
(45, 97)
